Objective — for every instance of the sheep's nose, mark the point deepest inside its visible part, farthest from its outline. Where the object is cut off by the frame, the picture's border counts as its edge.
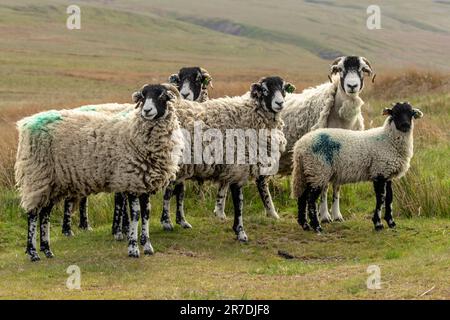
(279, 103)
(405, 127)
(352, 87)
(185, 95)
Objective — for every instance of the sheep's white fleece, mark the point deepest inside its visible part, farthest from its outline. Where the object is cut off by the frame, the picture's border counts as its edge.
(312, 109)
(72, 153)
(346, 156)
(241, 112)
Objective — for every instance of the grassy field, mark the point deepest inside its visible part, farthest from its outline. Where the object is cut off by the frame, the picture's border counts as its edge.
(130, 43)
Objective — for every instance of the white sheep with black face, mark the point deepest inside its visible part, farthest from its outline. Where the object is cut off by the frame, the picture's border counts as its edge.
(257, 110)
(72, 153)
(193, 83)
(344, 156)
(335, 104)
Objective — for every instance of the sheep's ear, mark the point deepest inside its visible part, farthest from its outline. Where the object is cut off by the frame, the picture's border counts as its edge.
(366, 67)
(174, 79)
(206, 78)
(417, 114)
(137, 96)
(289, 88)
(256, 90)
(336, 66)
(387, 112)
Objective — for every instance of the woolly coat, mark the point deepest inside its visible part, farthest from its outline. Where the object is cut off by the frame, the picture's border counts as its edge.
(346, 156)
(313, 109)
(69, 153)
(241, 112)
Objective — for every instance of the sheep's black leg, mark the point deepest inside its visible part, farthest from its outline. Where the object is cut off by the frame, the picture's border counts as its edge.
(145, 214)
(125, 217)
(120, 209)
(179, 194)
(133, 248)
(379, 185)
(84, 220)
(44, 222)
(165, 216)
(266, 197)
(301, 205)
(388, 205)
(31, 237)
(67, 219)
(312, 208)
(219, 209)
(238, 199)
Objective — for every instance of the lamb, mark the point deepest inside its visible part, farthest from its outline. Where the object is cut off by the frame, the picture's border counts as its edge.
(70, 153)
(344, 156)
(256, 110)
(334, 105)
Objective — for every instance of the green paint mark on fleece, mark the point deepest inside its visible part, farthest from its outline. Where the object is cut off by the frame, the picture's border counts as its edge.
(325, 147)
(87, 108)
(40, 121)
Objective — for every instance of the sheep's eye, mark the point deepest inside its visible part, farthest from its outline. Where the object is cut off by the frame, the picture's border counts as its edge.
(265, 92)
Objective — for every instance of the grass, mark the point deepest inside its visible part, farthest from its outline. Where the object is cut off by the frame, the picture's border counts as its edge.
(207, 262)
(49, 67)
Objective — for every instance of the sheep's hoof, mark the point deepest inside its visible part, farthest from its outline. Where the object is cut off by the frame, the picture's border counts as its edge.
(305, 226)
(379, 226)
(118, 236)
(391, 223)
(242, 236)
(220, 214)
(318, 229)
(184, 224)
(148, 249)
(326, 219)
(338, 218)
(48, 253)
(68, 233)
(33, 255)
(133, 252)
(273, 214)
(167, 225)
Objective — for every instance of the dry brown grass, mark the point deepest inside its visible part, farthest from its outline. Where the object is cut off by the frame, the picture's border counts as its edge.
(386, 88)
(409, 82)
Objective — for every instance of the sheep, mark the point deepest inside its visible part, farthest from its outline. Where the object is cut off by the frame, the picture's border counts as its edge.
(256, 110)
(335, 105)
(344, 156)
(193, 82)
(67, 153)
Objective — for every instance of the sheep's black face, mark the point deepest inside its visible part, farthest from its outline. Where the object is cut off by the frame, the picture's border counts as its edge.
(351, 70)
(190, 82)
(153, 101)
(271, 92)
(402, 114)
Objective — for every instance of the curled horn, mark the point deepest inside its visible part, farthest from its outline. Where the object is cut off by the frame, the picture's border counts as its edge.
(335, 67)
(172, 90)
(367, 68)
(207, 79)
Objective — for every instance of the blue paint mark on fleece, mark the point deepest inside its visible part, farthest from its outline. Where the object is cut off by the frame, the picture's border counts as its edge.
(87, 108)
(39, 122)
(325, 147)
